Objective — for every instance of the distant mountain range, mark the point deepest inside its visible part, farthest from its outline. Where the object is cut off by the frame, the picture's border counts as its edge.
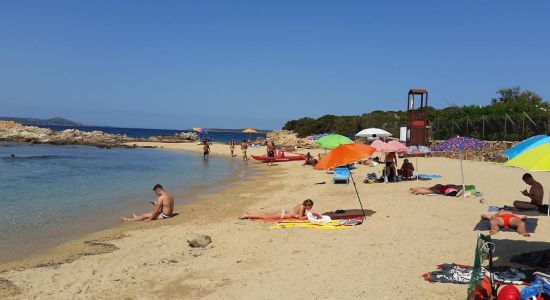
(57, 121)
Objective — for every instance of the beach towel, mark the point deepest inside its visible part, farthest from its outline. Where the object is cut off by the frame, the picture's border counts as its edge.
(542, 211)
(335, 224)
(428, 176)
(461, 274)
(534, 259)
(315, 217)
(275, 220)
(530, 226)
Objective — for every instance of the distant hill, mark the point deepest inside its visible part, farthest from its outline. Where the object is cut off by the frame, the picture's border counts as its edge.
(34, 121)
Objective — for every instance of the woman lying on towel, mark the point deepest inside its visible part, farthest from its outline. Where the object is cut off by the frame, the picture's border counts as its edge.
(506, 219)
(439, 189)
(299, 211)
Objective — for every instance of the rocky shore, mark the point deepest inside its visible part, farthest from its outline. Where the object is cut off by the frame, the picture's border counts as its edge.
(14, 132)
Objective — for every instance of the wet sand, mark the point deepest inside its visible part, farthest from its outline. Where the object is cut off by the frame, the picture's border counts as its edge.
(404, 237)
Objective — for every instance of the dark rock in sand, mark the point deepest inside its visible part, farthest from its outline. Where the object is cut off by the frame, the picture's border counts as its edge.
(200, 241)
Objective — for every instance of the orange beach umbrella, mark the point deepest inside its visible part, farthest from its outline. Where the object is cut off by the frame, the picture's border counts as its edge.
(343, 155)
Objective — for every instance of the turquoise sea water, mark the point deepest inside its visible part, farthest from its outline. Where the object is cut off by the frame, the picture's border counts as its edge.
(51, 194)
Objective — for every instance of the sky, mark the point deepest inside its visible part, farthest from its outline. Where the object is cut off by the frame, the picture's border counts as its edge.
(235, 64)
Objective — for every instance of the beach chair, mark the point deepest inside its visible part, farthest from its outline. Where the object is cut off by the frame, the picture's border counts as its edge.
(341, 174)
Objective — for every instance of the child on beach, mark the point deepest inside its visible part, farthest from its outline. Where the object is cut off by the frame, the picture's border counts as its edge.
(164, 207)
(299, 212)
(505, 219)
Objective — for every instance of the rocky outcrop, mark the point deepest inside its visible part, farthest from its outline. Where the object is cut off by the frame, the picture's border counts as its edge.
(14, 132)
(289, 138)
(181, 137)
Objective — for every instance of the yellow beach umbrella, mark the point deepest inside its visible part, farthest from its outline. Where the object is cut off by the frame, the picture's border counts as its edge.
(250, 130)
(536, 159)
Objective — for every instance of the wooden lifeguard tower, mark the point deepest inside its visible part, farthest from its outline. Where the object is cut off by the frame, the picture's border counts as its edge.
(417, 117)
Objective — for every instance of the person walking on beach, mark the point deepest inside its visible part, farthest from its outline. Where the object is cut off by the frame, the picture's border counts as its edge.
(232, 146)
(271, 151)
(535, 193)
(206, 149)
(244, 147)
(164, 207)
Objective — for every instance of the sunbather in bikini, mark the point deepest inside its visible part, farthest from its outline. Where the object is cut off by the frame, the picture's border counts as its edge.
(506, 219)
(440, 189)
(299, 211)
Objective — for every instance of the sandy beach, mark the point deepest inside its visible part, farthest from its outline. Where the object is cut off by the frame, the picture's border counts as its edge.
(404, 237)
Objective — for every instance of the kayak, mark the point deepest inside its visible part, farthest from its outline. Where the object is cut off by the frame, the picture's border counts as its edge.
(264, 158)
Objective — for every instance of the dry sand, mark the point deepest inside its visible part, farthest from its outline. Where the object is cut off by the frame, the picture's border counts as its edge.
(384, 258)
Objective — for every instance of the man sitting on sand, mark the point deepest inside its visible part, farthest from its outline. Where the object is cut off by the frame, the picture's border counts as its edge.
(535, 193)
(439, 189)
(406, 170)
(164, 207)
(505, 219)
(299, 212)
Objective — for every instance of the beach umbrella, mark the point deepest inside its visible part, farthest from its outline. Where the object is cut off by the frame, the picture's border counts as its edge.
(459, 144)
(373, 133)
(417, 150)
(526, 145)
(379, 145)
(536, 159)
(397, 147)
(332, 141)
(343, 155)
(199, 131)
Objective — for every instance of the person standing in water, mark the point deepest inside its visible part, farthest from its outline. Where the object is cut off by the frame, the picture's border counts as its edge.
(164, 207)
(232, 146)
(12, 157)
(244, 147)
(206, 149)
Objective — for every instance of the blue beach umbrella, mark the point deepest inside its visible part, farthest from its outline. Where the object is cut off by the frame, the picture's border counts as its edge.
(526, 145)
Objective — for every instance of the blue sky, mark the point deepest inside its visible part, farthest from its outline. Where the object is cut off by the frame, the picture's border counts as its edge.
(181, 64)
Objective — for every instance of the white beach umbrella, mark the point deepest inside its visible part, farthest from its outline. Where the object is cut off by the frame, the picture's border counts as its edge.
(373, 133)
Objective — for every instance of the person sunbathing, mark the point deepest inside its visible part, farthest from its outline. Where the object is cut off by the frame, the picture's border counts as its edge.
(506, 219)
(439, 189)
(299, 212)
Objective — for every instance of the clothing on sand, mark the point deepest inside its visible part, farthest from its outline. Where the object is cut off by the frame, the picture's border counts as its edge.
(461, 274)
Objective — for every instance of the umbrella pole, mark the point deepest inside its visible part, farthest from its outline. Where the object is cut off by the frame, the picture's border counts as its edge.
(462, 174)
(358, 198)
(417, 168)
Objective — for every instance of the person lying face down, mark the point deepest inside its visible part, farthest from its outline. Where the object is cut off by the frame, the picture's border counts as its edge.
(439, 189)
(506, 219)
(299, 212)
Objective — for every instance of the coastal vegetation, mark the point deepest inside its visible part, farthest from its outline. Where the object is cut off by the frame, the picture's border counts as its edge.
(513, 115)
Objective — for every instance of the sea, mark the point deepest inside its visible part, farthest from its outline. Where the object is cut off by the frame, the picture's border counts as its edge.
(51, 194)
